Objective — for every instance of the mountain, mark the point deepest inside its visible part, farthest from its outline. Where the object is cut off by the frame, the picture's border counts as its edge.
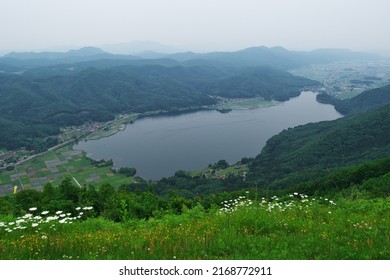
(311, 150)
(260, 81)
(54, 89)
(363, 102)
(276, 57)
(29, 60)
(53, 98)
(86, 51)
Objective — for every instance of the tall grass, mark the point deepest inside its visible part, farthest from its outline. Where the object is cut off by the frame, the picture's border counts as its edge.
(293, 227)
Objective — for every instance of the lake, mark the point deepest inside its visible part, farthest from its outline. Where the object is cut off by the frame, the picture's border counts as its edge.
(159, 146)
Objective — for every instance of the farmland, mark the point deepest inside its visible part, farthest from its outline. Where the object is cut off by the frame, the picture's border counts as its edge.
(53, 167)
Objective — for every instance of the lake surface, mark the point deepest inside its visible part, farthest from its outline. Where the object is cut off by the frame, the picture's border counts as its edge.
(159, 146)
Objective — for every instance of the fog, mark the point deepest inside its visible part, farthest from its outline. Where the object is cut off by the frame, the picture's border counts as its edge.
(197, 25)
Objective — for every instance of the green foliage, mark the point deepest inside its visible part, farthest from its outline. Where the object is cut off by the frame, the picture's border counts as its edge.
(365, 101)
(305, 152)
(222, 164)
(26, 199)
(128, 171)
(370, 178)
(261, 81)
(68, 191)
(33, 108)
(296, 227)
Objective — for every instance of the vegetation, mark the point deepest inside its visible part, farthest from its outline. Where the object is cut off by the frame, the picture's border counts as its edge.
(127, 171)
(33, 108)
(365, 101)
(318, 191)
(312, 150)
(247, 226)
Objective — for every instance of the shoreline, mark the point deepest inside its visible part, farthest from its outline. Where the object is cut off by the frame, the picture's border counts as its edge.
(231, 104)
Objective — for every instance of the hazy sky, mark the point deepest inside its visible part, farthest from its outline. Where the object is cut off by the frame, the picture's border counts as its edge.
(199, 25)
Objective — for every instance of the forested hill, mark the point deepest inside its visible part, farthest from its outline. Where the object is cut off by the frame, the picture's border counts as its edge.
(44, 103)
(276, 57)
(311, 150)
(41, 92)
(363, 102)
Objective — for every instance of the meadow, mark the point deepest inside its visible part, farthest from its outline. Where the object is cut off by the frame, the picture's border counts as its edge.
(294, 226)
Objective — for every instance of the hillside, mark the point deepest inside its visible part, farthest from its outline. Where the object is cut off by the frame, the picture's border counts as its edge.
(365, 101)
(46, 102)
(104, 223)
(310, 150)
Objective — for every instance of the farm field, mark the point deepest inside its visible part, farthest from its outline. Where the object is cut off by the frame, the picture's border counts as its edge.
(53, 167)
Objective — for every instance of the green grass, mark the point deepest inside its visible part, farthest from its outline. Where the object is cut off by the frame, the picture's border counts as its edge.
(5, 178)
(292, 228)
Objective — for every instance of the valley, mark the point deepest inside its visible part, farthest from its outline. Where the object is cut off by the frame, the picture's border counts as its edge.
(194, 156)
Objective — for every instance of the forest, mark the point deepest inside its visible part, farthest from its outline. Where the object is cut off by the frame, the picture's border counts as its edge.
(42, 92)
(34, 108)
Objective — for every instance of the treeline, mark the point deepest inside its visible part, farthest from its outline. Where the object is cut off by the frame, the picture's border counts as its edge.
(132, 201)
(144, 200)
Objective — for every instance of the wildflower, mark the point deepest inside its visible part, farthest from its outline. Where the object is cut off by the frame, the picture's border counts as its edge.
(32, 209)
(44, 237)
(58, 212)
(34, 225)
(51, 218)
(11, 223)
(62, 221)
(295, 193)
(78, 208)
(45, 213)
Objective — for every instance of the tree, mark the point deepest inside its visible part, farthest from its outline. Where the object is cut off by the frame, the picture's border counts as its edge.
(26, 199)
(127, 171)
(222, 164)
(68, 191)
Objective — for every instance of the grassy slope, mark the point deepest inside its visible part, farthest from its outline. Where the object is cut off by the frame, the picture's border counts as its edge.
(290, 228)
